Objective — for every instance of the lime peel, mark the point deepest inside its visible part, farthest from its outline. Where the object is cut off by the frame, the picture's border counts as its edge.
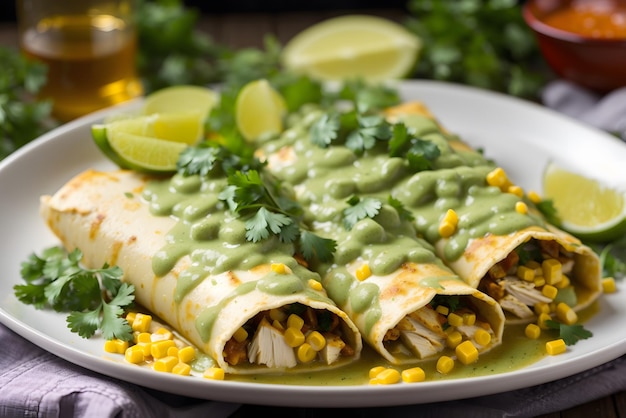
(587, 208)
(350, 46)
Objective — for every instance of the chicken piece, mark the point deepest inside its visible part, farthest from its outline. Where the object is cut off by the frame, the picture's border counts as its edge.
(511, 304)
(268, 347)
(524, 291)
(420, 339)
(430, 318)
(332, 350)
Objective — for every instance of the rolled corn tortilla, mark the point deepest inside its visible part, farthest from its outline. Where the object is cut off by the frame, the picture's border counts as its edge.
(490, 261)
(193, 267)
(495, 222)
(407, 304)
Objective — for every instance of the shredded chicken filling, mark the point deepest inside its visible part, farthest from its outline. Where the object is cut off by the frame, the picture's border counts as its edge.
(288, 336)
(437, 327)
(533, 276)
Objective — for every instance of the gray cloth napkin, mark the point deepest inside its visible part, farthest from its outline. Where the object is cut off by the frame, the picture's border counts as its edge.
(34, 383)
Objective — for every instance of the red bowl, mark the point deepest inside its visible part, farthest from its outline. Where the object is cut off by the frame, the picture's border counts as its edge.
(595, 63)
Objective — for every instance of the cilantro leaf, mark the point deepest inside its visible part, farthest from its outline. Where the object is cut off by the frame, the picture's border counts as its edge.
(264, 222)
(418, 152)
(570, 334)
(313, 246)
(404, 213)
(94, 298)
(325, 130)
(360, 209)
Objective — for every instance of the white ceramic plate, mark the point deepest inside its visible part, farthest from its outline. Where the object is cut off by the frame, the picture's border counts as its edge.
(522, 136)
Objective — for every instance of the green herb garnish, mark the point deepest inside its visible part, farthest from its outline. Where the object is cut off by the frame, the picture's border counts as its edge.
(570, 334)
(94, 298)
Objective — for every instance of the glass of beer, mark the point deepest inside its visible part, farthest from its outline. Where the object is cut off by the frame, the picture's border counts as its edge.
(89, 47)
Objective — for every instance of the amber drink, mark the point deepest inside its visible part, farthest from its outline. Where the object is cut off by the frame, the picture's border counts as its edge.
(90, 50)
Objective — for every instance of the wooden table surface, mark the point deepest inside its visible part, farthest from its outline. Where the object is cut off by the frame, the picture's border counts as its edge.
(240, 30)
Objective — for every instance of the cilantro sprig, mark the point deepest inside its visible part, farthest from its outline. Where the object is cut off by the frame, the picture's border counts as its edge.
(268, 213)
(570, 334)
(94, 298)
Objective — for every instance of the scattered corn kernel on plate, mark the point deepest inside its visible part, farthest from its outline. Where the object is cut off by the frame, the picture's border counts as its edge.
(523, 137)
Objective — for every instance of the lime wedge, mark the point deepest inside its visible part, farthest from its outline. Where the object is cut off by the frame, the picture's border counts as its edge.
(180, 99)
(187, 128)
(143, 153)
(369, 47)
(587, 208)
(259, 110)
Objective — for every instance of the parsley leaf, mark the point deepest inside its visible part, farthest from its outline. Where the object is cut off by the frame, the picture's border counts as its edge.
(94, 298)
(570, 334)
(359, 209)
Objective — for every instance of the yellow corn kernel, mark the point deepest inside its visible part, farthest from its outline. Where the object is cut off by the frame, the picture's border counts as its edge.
(552, 270)
(187, 354)
(141, 322)
(541, 320)
(521, 207)
(498, 178)
(172, 351)
(455, 320)
(517, 191)
(386, 377)
(482, 337)
(565, 282)
(134, 354)
(146, 348)
(165, 364)
(294, 337)
(182, 369)
(549, 291)
(541, 307)
(162, 334)
(159, 349)
(466, 352)
(214, 373)
(445, 364)
(453, 339)
(443, 310)
(240, 335)
(279, 268)
(130, 317)
(143, 337)
(278, 326)
(565, 314)
(448, 224)
(278, 315)
(294, 321)
(608, 285)
(305, 353)
(469, 318)
(363, 272)
(555, 347)
(314, 284)
(115, 346)
(539, 281)
(316, 340)
(413, 375)
(525, 273)
(375, 371)
(446, 229)
(534, 197)
(532, 331)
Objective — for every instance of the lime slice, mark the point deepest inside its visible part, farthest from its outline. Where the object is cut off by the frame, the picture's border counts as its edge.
(259, 110)
(143, 153)
(369, 47)
(587, 208)
(180, 99)
(187, 128)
